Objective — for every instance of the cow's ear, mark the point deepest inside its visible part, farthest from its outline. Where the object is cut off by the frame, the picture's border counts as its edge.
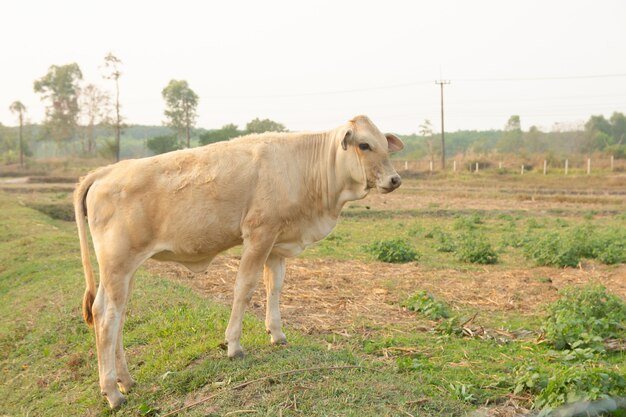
(347, 137)
(394, 144)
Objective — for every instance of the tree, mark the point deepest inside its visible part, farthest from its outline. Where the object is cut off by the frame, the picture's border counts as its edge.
(95, 108)
(265, 125)
(181, 103)
(426, 131)
(511, 140)
(112, 72)
(618, 127)
(162, 144)
(60, 86)
(227, 132)
(19, 109)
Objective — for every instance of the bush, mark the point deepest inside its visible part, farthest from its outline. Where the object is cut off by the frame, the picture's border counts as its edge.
(393, 251)
(475, 248)
(425, 303)
(584, 317)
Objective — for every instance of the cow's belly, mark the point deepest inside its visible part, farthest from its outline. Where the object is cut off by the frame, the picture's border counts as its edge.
(300, 235)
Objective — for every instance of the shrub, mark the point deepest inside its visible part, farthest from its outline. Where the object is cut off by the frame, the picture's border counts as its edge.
(583, 317)
(393, 251)
(446, 243)
(425, 303)
(475, 248)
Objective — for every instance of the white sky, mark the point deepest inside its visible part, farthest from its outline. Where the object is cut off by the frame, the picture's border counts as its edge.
(313, 65)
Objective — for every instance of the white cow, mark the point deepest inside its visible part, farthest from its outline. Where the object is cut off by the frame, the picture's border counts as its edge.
(275, 193)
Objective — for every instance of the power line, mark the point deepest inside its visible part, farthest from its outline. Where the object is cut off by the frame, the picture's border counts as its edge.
(544, 78)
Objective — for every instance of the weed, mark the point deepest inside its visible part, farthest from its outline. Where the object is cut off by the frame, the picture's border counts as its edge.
(583, 317)
(475, 248)
(395, 250)
(425, 303)
(579, 384)
(551, 249)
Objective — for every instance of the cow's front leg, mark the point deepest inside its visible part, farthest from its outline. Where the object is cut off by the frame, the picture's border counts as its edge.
(255, 252)
(274, 275)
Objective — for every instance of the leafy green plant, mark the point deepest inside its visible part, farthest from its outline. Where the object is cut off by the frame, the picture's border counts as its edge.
(551, 249)
(425, 303)
(583, 317)
(468, 222)
(462, 391)
(579, 384)
(475, 248)
(395, 250)
(446, 243)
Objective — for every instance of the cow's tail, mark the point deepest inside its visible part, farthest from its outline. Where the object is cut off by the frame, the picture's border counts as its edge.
(80, 213)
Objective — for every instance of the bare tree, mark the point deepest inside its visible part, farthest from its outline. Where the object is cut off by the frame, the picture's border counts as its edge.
(426, 131)
(112, 72)
(95, 107)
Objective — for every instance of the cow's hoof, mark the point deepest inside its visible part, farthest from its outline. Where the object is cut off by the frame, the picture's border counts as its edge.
(125, 384)
(234, 350)
(115, 399)
(238, 354)
(279, 340)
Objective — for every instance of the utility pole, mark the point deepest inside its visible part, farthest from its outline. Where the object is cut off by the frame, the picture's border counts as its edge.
(443, 140)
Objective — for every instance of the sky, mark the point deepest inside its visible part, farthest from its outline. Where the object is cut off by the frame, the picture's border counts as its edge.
(314, 65)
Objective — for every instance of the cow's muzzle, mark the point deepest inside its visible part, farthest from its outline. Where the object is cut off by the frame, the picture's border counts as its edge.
(391, 184)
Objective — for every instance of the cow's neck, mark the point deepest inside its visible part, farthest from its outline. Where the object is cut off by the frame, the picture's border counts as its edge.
(335, 188)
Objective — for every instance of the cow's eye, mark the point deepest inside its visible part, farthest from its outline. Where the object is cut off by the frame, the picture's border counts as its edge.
(365, 147)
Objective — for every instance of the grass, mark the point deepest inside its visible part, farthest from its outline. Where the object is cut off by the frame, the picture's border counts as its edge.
(172, 334)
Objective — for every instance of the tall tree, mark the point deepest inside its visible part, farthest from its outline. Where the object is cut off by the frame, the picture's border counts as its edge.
(181, 103)
(60, 86)
(426, 131)
(266, 125)
(95, 109)
(19, 109)
(112, 72)
(511, 140)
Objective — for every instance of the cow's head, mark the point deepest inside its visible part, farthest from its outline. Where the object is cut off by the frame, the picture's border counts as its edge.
(365, 154)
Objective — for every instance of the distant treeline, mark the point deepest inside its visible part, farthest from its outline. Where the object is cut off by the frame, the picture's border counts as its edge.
(598, 134)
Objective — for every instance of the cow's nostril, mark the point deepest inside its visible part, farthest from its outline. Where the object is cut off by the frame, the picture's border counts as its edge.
(396, 180)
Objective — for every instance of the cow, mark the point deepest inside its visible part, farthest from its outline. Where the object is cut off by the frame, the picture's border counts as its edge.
(273, 193)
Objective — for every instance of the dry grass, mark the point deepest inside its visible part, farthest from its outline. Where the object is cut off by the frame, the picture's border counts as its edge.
(329, 296)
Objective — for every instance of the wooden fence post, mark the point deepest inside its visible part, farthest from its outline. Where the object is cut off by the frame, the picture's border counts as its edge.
(406, 165)
(545, 167)
(566, 165)
(431, 165)
(522, 169)
(476, 166)
(454, 165)
(612, 162)
(588, 166)
(500, 165)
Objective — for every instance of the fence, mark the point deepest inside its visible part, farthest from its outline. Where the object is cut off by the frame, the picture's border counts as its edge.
(576, 165)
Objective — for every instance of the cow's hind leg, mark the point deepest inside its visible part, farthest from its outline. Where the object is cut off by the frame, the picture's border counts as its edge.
(274, 275)
(108, 312)
(124, 380)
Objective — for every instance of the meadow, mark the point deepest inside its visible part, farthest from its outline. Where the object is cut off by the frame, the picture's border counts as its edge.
(437, 299)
